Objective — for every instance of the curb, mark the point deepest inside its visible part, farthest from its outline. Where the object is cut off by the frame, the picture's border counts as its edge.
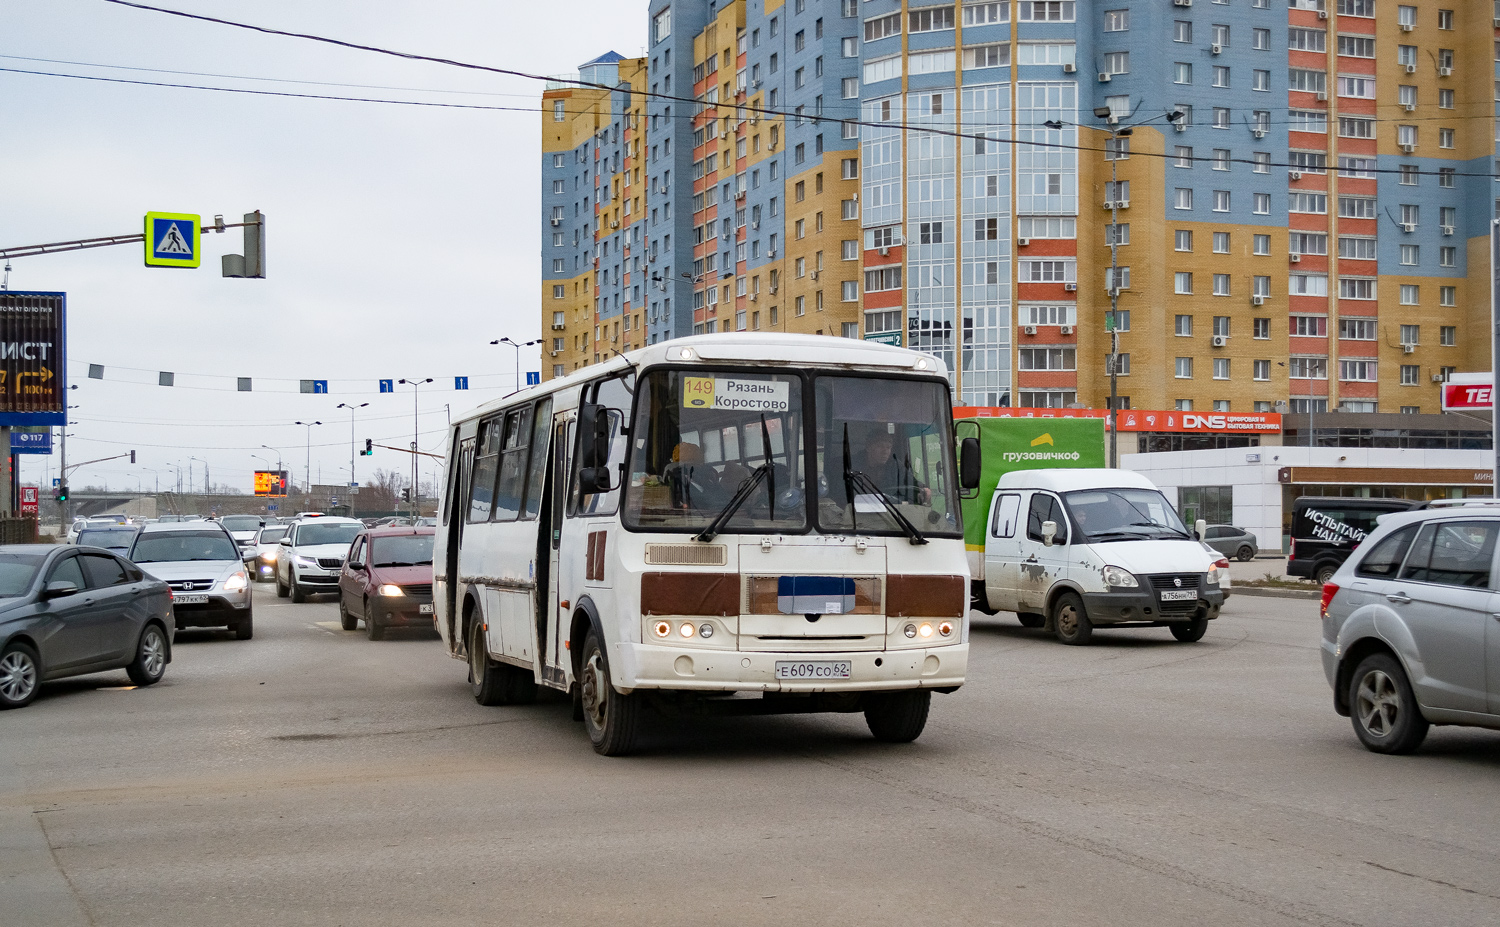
(1273, 593)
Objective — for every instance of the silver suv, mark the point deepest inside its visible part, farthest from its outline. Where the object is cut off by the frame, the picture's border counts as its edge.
(1410, 632)
(201, 563)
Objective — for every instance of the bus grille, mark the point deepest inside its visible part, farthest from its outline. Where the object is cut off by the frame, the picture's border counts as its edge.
(687, 554)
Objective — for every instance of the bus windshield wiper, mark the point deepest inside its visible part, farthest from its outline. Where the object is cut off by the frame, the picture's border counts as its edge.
(856, 479)
(762, 472)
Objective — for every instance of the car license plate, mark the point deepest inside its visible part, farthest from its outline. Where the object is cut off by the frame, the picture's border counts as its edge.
(425, 609)
(181, 599)
(1178, 595)
(812, 669)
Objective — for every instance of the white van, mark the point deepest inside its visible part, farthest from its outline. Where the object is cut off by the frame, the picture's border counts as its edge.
(1071, 550)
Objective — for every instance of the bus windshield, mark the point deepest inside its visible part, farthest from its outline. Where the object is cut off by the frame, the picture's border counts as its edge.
(703, 438)
(885, 449)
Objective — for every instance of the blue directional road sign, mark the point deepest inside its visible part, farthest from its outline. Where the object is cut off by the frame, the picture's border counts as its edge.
(31, 442)
(460, 382)
(173, 240)
(387, 386)
(320, 386)
(533, 377)
(55, 482)
(270, 507)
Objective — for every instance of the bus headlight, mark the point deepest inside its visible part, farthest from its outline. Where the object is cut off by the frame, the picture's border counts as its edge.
(910, 630)
(925, 630)
(687, 629)
(662, 628)
(705, 630)
(1116, 578)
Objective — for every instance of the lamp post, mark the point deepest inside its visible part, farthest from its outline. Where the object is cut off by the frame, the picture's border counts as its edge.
(307, 474)
(1114, 151)
(205, 474)
(518, 345)
(351, 408)
(415, 384)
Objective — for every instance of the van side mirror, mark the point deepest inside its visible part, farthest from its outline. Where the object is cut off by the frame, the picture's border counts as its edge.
(1200, 528)
(1049, 531)
(593, 430)
(968, 463)
(593, 480)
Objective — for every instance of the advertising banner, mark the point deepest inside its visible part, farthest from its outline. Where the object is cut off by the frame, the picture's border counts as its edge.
(33, 372)
(270, 482)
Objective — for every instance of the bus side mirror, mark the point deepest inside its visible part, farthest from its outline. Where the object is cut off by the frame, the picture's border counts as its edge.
(1200, 529)
(1049, 531)
(593, 480)
(968, 463)
(593, 424)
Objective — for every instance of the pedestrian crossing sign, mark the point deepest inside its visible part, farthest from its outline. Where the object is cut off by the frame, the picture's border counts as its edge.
(173, 239)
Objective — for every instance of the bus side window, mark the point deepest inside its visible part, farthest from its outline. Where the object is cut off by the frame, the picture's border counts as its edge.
(486, 463)
(540, 422)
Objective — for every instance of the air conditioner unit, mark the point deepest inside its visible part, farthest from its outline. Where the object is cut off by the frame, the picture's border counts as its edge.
(1408, 349)
(1408, 148)
(1321, 95)
(1123, 204)
(774, 288)
(755, 226)
(557, 222)
(1445, 72)
(553, 353)
(1022, 242)
(1294, 257)
(1497, 22)
(1105, 77)
(1257, 300)
(1411, 69)
(1410, 107)
(1407, 27)
(614, 224)
(884, 251)
(754, 297)
(1258, 133)
(1066, 329)
(1215, 48)
(1029, 329)
(1071, 287)
(1180, 125)
(1322, 14)
(1447, 229)
(1437, 378)
(1294, 175)
(1408, 226)
(1182, 2)
(772, 256)
(1220, 340)
(1069, 68)
(1109, 204)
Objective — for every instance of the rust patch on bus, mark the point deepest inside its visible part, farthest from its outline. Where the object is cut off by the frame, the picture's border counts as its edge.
(908, 596)
(690, 594)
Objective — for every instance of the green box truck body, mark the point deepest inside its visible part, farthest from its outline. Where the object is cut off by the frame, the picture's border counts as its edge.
(1009, 444)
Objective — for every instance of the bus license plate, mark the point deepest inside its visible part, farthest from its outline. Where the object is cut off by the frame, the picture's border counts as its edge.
(190, 599)
(1178, 595)
(425, 609)
(812, 669)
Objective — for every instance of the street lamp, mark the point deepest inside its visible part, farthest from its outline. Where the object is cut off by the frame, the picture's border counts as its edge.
(414, 384)
(518, 345)
(205, 474)
(307, 474)
(1114, 151)
(345, 405)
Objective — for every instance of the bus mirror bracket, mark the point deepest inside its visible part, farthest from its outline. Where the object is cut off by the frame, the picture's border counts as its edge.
(969, 463)
(593, 480)
(593, 421)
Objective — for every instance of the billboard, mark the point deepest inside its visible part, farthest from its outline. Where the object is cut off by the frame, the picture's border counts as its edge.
(270, 482)
(1146, 419)
(33, 370)
(1468, 391)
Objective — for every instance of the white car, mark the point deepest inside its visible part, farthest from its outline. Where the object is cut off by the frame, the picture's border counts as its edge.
(264, 551)
(312, 555)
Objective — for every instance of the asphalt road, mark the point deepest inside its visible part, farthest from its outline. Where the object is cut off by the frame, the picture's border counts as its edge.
(311, 776)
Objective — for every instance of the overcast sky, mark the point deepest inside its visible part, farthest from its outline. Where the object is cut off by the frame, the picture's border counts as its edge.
(400, 239)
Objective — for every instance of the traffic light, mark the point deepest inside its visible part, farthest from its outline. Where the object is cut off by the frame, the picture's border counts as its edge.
(253, 262)
(62, 493)
(369, 448)
(406, 495)
(132, 456)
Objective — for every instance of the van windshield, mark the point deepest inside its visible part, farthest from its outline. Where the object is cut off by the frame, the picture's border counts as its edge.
(1103, 515)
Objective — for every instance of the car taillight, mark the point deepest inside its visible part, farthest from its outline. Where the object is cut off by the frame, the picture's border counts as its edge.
(1329, 591)
(1292, 552)
(1222, 563)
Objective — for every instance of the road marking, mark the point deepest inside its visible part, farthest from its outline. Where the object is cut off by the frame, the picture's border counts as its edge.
(328, 625)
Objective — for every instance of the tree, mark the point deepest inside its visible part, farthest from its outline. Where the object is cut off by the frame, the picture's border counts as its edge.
(383, 493)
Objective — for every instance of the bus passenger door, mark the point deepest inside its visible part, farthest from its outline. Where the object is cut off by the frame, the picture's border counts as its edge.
(552, 624)
(456, 510)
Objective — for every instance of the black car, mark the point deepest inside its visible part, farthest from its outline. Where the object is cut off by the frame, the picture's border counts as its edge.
(1325, 529)
(69, 610)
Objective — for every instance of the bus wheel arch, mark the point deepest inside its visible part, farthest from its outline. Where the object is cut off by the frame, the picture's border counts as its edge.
(471, 611)
(585, 619)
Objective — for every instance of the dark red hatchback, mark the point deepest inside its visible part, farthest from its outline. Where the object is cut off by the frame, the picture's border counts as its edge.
(387, 581)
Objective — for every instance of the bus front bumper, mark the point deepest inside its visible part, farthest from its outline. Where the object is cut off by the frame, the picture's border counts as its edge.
(650, 666)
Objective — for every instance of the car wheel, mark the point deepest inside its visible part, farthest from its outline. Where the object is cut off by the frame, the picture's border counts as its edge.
(20, 675)
(1070, 621)
(1383, 708)
(1031, 619)
(611, 719)
(486, 677)
(298, 594)
(244, 629)
(374, 630)
(1189, 631)
(1245, 553)
(1324, 574)
(897, 717)
(281, 590)
(150, 657)
(347, 621)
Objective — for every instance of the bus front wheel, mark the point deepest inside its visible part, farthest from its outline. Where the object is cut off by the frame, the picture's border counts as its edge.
(610, 718)
(897, 717)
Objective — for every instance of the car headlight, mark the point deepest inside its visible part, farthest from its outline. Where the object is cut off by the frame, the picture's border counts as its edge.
(387, 589)
(269, 556)
(304, 562)
(235, 583)
(1117, 578)
(1212, 577)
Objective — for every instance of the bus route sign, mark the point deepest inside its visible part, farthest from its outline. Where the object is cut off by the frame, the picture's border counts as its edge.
(33, 369)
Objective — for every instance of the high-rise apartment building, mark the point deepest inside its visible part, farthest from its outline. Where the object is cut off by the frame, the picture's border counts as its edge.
(1298, 194)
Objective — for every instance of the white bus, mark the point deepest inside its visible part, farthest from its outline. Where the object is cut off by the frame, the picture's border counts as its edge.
(723, 523)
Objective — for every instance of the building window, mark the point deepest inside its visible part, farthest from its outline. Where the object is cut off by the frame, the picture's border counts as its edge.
(1184, 368)
(1261, 329)
(1357, 329)
(1183, 286)
(1411, 255)
(1184, 326)
(1221, 368)
(1448, 296)
(1448, 336)
(1411, 294)
(1261, 286)
(1357, 371)
(1221, 284)
(1045, 11)
(1307, 368)
(1447, 256)
(1221, 242)
(1117, 62)
(1183, 405)
(1221, 76)
(1221, 201)
(1182, 198)
(1182, 31)
(1260, 80)
(1116, 20)
(1183, 239)
(1052, 358)
(1221, 159)
(1182, 73)
(849, 291)
(1261, 370)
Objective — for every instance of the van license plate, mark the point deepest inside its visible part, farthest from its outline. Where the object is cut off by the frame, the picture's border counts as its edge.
(812, 669)
(190, 599)
(425, 609)
(1178, 595)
